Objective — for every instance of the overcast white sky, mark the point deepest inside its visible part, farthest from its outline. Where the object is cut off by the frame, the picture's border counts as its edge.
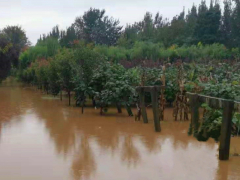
(39, 16)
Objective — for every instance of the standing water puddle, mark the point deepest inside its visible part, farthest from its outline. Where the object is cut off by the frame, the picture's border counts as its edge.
(44, 139)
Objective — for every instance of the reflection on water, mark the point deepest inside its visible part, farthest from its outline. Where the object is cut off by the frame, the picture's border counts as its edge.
(43, 138)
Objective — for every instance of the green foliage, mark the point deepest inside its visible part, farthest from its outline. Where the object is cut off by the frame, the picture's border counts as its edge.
(111, 84)
(67, 37)
(216, 80)
(236, 53)
(31, 55)
(236, 24)
(17, 37)
(211, 124)
(41, 72)
(221, 80)
(86, 63)
(146, 50)
(171, 84)
(53, 77)
(94, 26)
(52, 46)
(208, 23)
(65, 61)
(224, 90)
(113, 53)
(236, 123)
(152, 51)
(6, 55)
(13, 40)
(43, 50)
(226, 27)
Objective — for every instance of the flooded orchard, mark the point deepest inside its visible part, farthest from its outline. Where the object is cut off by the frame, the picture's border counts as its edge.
(42, 138)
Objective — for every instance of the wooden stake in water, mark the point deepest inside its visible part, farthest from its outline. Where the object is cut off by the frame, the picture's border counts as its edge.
(225, 138)
(142, 106)
(155, 110)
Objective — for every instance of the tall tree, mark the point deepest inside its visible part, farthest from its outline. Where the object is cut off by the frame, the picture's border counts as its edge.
(215, 22)
(177, 29)
(52, 46)
(147, 27)
(200, 29)
(191, 21)
(17, 36)
(226, 26)
(236, 24)
(129, 35)
(95, 27)
(65, 61)
(67, 37)
(6, 55)
(55, 32)
(208, 23)
(161, 30)
(159, 21)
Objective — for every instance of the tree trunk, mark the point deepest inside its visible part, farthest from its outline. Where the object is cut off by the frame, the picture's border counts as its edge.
(119, 107)
(93, 102)
(83, 103)
(128, 108)
(83, 107)
(69, 98)
(143, 107)
(61, 95)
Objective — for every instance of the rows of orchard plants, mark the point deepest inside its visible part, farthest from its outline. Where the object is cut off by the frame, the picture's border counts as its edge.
(93, 72)
(84, 71)
(216, 79)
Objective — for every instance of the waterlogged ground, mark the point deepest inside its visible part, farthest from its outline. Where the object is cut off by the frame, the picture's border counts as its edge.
(41, 138)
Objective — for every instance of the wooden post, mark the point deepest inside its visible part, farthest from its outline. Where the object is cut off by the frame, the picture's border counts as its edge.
(154, 97)
(194, 112)
(142, 105)
(226, 130)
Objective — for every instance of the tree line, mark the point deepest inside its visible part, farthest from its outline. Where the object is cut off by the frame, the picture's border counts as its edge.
(202, 23)
(203, 33)
(13, 41)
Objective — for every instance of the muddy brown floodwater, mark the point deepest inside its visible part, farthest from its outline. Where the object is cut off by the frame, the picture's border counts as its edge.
(41, 138)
